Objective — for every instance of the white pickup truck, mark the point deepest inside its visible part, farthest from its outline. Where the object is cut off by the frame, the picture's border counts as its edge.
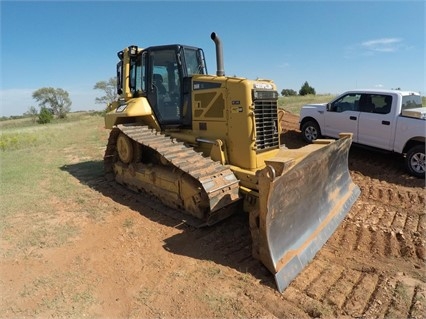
(391, 120)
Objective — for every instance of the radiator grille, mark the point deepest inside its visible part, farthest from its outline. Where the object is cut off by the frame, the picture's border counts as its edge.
(266, 117)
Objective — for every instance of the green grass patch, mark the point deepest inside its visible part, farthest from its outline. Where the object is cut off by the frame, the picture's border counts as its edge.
(26, 133)
(71, 300)
(221, 304)
(128, 223)
(45, 174)
(45, 235)
(293, 104)
(16, 141)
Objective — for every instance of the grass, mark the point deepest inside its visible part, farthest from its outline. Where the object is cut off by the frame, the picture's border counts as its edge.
(222, 304)
(41, 201)
(55, 301)
(402, 293)
(293, 104)
(128, 223)
(47, 236)
(25, 133)
(45, 173)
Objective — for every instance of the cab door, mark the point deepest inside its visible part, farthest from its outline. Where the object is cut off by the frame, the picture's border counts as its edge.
(342, 116)
(377, 123)
(164, 93)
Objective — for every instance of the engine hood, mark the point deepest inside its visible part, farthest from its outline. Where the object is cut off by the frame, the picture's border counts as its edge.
(320, 106)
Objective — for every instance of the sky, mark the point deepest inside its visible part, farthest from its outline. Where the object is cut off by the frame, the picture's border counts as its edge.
(333, 45)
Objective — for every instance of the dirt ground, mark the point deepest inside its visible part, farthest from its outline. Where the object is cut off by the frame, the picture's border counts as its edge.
(140, 263)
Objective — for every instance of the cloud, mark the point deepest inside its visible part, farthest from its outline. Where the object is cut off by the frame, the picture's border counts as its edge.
(382, 45)
(374, 46)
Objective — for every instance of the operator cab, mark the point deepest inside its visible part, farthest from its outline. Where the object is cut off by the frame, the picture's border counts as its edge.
(162, 75)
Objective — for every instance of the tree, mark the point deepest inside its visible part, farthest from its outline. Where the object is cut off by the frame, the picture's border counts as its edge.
(288, 92)
(109, 88)
(45, 115)
(306, 89)
(32, 112)
(55, 100)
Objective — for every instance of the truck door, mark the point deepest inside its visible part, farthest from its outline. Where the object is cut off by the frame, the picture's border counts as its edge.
(376, 122)
(342, 116)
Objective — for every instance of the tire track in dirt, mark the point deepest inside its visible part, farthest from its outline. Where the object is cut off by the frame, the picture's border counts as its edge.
(366, 292)
(385, 225)
(389, 232)
(389, 195)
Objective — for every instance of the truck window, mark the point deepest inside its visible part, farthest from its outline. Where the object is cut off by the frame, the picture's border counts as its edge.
(346, 103)
(411, 102)
(382, 103)
(366, 103)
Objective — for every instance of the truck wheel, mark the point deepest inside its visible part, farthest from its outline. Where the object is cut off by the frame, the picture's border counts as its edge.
(415, 161)
(310, 131)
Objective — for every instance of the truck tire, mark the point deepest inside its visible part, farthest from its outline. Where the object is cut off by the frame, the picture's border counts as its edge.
(311, 131)
(415, 161)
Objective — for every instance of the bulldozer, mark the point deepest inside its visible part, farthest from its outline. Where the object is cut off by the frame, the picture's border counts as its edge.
(208, 146)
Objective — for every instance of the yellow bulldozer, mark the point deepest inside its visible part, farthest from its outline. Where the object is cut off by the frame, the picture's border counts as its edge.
(209, 146)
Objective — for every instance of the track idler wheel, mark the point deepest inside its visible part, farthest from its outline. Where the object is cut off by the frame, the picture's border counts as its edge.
(125, 148)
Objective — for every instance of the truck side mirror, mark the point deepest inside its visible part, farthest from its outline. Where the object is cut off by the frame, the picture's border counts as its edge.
(328, 106)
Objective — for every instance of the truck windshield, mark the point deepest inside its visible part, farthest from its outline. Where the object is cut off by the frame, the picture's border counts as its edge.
(411, 102)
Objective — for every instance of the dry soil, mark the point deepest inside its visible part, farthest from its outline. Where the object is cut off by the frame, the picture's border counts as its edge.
(140, 263)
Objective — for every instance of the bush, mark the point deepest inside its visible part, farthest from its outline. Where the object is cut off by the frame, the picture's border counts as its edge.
(306, 89)
(45, 116)
(288, 92)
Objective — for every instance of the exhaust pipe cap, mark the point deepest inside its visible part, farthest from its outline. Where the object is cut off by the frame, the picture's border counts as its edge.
(219, 55)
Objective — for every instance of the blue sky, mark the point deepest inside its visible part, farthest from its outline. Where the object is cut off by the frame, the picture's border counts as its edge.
(334, 45)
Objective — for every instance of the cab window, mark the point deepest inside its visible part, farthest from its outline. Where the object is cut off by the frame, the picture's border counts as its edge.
(165, 85)
(194, 61)
(411, 102)
(137, 77)
(346, 103)
(382, 103)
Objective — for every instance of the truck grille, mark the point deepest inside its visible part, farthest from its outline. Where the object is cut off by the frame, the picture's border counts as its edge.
(266, 117)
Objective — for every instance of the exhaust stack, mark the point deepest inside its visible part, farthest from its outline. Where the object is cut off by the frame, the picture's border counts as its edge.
(219, 55)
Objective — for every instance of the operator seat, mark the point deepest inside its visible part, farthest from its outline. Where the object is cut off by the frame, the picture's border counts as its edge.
(158, 82)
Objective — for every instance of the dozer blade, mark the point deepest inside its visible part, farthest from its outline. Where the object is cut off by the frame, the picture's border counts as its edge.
(304, 196)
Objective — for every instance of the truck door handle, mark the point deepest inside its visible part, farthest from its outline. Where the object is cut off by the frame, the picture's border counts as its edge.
(385, 122)
(353, 118)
